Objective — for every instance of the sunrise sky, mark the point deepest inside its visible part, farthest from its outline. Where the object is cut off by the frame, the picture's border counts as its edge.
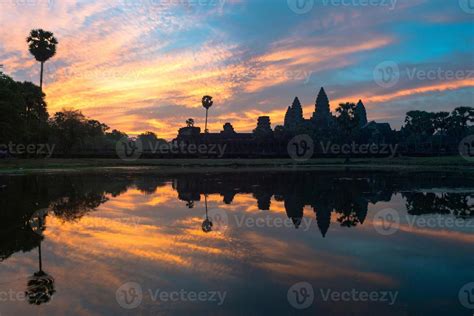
(140, 65)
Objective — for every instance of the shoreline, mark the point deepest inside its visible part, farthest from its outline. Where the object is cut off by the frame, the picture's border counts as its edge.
(29, 166)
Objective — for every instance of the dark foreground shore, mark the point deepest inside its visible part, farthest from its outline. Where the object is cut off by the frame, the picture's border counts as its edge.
(455, 163)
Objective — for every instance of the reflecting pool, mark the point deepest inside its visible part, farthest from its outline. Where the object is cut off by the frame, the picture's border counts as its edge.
(347, 242)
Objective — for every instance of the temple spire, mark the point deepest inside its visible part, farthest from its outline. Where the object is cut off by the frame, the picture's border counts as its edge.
(361, 114)
(294, 115)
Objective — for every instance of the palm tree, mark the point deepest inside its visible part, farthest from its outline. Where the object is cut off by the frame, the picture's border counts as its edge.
(207, 103)
(190, 122)
(42, 45)
(40, 287)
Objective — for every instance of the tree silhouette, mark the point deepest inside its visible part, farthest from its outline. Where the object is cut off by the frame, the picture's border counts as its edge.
(42, 45)
(190, 122)
(207, 104)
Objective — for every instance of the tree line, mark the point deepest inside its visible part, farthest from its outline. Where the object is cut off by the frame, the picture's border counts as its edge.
(24, 119)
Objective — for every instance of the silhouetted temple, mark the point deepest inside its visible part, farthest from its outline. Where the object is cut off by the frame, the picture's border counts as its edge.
(265, 141)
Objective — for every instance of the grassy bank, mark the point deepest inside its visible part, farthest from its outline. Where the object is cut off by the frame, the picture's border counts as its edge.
(402, 163)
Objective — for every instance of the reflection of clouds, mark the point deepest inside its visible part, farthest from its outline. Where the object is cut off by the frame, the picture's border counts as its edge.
(156, 240)
(290, 261)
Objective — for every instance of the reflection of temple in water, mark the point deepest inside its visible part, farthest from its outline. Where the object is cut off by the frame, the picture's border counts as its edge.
(327, 193)
(344, 194)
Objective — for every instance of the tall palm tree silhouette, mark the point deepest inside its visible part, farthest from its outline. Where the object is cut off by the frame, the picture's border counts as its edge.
(207, 104)
(42, 45)
(40, 286)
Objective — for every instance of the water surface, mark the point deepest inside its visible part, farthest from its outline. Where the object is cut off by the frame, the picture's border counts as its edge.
(80, 243)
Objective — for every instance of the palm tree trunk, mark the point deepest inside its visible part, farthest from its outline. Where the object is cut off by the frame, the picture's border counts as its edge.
(41, 77)
(40, 259)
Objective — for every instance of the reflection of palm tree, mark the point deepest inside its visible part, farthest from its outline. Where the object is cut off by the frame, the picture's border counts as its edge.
(42, 45)
(207, 104)
(207, 223)
(40, 287)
